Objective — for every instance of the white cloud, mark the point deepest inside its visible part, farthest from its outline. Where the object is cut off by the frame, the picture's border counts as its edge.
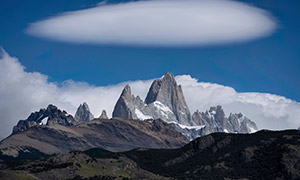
(159, 23)
(22, 92)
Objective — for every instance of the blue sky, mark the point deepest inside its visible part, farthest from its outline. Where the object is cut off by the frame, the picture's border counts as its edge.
(268, 64)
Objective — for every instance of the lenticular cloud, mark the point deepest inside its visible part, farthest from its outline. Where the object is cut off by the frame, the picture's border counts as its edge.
(159, 23)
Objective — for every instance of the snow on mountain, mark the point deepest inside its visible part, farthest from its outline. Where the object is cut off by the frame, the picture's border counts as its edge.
(142, 116)
(44, 121)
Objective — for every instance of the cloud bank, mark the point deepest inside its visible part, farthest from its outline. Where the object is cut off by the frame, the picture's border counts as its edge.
(22, 92)
(159, 23)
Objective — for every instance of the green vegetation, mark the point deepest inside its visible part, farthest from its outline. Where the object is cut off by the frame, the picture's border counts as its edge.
(21, 176)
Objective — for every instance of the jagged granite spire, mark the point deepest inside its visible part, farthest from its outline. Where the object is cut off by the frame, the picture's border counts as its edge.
(121, 109)
(164, 101)
(128, 106)
(166, 91)
(103, 115)
(83, 113)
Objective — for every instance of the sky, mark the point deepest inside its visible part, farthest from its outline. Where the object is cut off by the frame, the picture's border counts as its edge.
(243, 55)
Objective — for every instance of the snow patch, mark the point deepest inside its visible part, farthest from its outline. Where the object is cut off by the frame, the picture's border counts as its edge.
(210, 115)
(187, 127)
(252, 130)
(226, 131)
(141, 116)
(241, 119)
(161, 106)
(44, 121)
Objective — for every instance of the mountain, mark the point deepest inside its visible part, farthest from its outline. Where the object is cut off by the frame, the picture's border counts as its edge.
(83, 113)
(49, 116)
(165, 100)
(111, 134)
(215, 120)
(103, 115)
(163, 120)
(167, 94)
(127, 106)
(262, 155)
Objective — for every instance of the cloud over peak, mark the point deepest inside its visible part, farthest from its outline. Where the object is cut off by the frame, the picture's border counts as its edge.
(159, 23)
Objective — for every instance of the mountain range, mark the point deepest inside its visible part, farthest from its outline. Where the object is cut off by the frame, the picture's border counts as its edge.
(158, 138)
(163, 120)
(165, 100)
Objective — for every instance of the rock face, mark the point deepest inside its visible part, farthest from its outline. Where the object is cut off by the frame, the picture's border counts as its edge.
(49, 116)
(127, 105)
(165, 101)
(83, 113)
(103, 115)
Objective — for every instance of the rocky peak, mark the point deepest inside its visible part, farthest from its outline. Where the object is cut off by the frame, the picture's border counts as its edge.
(126, 105)
(218, 114)
(83, 113)
(161, 89)
(217, 110)
(166, 91)
(215, 120)
(165, 101)
(49, 116)
(241, 123)
(126, 93)
(103, 115)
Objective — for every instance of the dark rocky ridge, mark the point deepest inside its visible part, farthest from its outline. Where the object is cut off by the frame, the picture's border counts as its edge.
(263, 155)
(54, 115)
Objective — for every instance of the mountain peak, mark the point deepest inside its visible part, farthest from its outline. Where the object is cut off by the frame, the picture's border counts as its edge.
(123, 107)
(217, 110)
(103, 115)
(83, 113)
(49, 116)
(168, 77)
(165, 84)
(51, 107)
(167, 92)
(126, 93)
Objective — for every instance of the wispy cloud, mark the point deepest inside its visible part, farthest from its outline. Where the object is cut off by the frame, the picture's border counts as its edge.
(159, 23)
(22, 92)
